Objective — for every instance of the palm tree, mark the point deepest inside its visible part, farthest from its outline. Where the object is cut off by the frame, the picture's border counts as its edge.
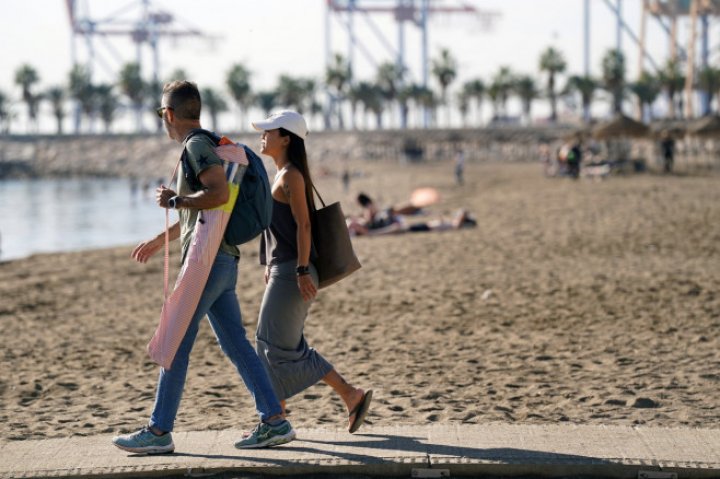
(405, 95)
(427, 101)
(613, 68)
(215, 105)
(26, 76)
(389, 79)
(308, 88)
(445, 70)
(4, 113)
(266, 101)
(475, 89)
(238, 83)
(646, 89)
(107, 103)
(370, 95)
(527, 90)
(338, 78)
(463, 103)
(82, 91)
(493, 93)
(133, 86)
(56, 95)
(672, 81)
(553, 62)
(177, 74)
(290, 92)
(585, 86)
(153, 95)
(500, 88)
(709, 82)
(354, 97)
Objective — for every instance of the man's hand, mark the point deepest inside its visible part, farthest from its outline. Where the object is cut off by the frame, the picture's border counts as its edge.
(163, 194)
(145, 250)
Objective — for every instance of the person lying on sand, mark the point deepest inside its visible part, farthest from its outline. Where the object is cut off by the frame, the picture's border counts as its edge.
(359, 227)
(376, 218)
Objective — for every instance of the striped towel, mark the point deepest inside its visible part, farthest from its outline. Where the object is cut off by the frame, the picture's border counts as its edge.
(180, 305)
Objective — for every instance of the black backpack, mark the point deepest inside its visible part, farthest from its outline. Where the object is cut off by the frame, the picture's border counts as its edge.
(252, 212)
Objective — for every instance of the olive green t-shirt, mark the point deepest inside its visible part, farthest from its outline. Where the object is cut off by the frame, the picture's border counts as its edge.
(200, 156)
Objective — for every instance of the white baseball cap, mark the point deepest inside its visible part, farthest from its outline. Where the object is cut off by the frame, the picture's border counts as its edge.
(292, 121)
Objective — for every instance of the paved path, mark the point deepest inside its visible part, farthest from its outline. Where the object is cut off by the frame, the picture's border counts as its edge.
(409, 451)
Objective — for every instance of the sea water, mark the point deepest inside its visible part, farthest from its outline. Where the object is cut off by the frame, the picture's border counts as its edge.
(50, 215)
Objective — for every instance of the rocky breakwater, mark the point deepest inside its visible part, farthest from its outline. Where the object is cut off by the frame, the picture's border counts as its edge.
(86, 155)
(154, 154)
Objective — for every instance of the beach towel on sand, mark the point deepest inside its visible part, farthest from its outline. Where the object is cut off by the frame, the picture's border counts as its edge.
(179, 306)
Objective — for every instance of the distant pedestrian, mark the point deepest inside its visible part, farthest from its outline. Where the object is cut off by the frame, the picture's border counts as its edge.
(346, 179)
(574, 159)
(459, 166)
(667, 145)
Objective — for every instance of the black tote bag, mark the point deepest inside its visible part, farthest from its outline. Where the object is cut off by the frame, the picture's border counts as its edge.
(335, 255)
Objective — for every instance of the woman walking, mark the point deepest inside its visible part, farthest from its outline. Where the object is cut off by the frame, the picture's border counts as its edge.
(290, 277)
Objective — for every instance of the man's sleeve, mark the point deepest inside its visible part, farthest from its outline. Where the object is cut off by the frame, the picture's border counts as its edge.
(201, 153)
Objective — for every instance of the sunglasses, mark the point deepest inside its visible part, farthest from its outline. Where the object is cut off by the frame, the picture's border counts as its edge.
(161, 111)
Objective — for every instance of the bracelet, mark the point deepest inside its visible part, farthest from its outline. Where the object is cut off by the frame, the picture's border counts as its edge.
(302, 270)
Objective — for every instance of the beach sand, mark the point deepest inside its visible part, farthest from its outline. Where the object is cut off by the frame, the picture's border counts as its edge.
(588, 302)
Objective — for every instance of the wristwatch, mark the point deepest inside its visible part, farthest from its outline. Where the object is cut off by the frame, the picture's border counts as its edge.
(174, 202)
(302, 270)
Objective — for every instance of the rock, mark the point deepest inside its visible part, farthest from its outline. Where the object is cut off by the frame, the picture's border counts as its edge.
(645, 403)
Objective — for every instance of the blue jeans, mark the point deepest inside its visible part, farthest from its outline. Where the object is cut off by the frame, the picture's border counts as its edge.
(219, 302)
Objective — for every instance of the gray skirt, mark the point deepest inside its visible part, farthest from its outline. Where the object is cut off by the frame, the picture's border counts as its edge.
(291, 363)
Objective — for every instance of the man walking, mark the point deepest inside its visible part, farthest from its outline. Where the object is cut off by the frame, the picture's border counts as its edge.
(180, 112)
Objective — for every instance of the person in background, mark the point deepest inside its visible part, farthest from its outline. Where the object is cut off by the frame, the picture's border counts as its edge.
(375, 218)
(180, 112)
(461, 219)
(667, 145)
(346, 179)
(573, 159)
(290, 276)
(459, 166)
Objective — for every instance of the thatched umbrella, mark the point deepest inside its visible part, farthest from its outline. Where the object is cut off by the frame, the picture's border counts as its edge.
(577, 134)
(706, 127)
(661, 129)
(618, 127)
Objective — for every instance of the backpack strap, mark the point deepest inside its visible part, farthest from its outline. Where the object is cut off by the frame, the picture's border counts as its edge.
(188, 172)
(194, 183)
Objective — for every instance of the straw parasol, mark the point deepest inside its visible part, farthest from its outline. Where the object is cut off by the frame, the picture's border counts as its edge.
(581, 133)
(706, 127)
(675, 129)
(618, 127)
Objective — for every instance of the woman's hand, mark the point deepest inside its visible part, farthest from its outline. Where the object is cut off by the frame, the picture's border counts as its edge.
(307, 287)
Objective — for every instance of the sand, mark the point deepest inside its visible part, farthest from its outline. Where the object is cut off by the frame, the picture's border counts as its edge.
(588, 302)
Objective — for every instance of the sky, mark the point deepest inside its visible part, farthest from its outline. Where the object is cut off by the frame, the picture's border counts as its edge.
(274, 37)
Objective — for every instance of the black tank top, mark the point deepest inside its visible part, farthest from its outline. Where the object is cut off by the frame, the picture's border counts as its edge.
(278, 243)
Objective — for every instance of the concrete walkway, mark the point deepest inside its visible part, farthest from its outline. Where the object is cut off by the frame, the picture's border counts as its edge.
(405, 451)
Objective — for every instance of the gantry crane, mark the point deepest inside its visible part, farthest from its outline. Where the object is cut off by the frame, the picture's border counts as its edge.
(697, 11)
(139, 20)
(415, 12)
